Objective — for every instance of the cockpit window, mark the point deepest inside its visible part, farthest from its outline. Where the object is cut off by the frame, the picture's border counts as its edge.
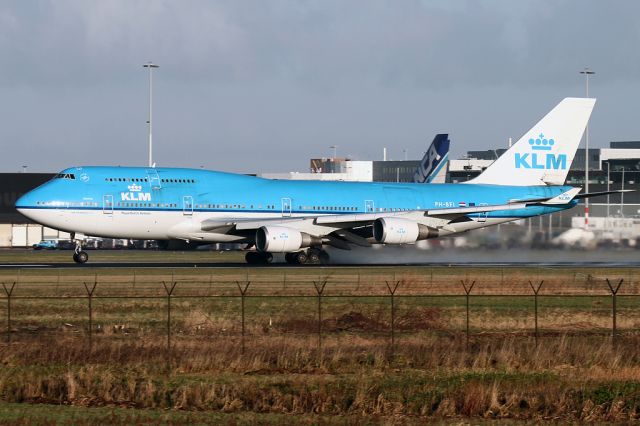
(65, 176)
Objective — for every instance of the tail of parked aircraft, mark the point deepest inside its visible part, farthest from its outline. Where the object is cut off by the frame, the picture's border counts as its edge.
(433, 166)
(544, 154)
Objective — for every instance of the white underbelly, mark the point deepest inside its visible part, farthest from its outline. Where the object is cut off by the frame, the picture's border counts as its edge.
(143, 225)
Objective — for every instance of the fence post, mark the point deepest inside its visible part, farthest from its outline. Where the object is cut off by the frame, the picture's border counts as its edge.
(392, 292)
(614, 293)
(169, 291)
(467, 291)
(90, 297)
(536, 290)
(243, 292)
(319, 286)
(9, 292)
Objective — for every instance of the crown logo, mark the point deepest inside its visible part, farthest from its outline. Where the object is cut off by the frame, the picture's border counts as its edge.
(541, 143)
(134, 188)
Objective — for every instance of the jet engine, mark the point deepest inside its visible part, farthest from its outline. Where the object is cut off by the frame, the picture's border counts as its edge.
(279, 239)
(393, 230)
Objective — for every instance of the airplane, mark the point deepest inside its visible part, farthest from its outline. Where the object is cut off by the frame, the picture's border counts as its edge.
(433, 166)
(300, 218)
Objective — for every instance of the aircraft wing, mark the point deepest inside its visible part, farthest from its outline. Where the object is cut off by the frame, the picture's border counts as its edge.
(350, 220)
(346, 221)
(342, 229)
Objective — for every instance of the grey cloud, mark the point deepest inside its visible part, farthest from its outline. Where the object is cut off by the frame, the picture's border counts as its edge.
(254, 85)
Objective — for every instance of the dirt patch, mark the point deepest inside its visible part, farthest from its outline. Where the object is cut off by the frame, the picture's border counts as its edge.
(415, 319)
(355, 321)
(351, 321)
(420, 319)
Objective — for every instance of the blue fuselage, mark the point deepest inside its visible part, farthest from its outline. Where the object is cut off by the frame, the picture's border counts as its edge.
(131, 189)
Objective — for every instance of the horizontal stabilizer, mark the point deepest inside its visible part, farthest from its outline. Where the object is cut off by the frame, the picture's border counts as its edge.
(563, 198)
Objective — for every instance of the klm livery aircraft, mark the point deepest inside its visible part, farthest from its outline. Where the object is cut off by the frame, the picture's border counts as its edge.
(299, 218)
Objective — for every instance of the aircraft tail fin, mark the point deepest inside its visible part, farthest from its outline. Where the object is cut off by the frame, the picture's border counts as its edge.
(544, 154)
(433, 166)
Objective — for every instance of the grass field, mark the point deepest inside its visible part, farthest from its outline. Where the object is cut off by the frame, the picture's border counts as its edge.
(285, 374)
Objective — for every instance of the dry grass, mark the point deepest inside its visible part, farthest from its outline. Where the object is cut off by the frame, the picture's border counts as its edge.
(563, 378)
(575, 373)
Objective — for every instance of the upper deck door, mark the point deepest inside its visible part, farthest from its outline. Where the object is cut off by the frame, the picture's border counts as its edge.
(154, 179)
(187, 205)
(286, 207)
(107, 204)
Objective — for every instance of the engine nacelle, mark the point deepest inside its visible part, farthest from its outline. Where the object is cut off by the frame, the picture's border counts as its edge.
(279, 239)
(394, 230)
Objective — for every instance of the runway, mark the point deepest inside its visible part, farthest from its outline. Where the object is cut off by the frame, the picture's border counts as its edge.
(359, 258)
(214, 265)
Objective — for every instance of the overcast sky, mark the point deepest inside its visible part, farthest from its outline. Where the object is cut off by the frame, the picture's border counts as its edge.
(262, 86)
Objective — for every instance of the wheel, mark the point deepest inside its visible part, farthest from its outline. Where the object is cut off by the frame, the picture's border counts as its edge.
(252, 258)
(81, 257)
(301, 258)
(290, 258)
(258, 258)
(313, 257)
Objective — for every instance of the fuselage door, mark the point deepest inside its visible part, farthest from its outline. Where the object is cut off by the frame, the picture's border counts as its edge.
(107, 204)
(187, 205)
(154, 179)
(369, 206)
(286, 207)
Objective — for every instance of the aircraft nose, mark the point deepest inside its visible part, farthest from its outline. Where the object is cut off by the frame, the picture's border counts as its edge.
(27, 203)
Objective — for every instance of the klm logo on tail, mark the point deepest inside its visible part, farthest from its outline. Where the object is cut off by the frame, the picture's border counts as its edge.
(540, 157)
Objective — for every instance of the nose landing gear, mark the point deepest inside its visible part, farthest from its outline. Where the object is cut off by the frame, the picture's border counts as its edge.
(80, 256)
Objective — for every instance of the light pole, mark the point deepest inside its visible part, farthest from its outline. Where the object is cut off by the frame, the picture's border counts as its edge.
(587, 72)
(151, 66)
(608, 195)
(622, 194)
(334, 147)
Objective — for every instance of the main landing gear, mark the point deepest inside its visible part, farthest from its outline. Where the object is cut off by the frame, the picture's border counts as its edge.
(258, 258)
(313, 256)
(80, 256)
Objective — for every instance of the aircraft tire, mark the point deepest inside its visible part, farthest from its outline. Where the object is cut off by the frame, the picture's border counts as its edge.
(290, 258)
(313, 257)
(80, 257)
(258, 258)
(301, 258)
(252, 258)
